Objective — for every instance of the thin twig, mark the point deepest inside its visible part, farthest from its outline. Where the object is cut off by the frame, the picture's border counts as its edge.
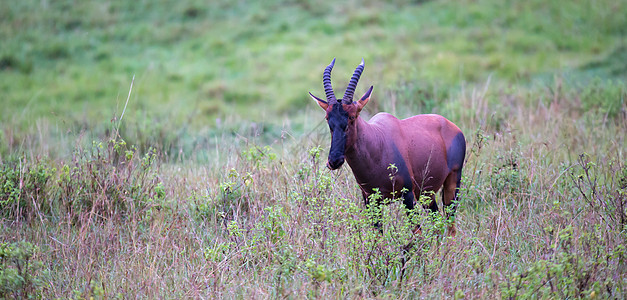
(117, 130)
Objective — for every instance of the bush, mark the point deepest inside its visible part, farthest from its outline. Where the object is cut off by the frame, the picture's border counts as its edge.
(23, 188)
(111, 181)
(569, 272)
(20, 274)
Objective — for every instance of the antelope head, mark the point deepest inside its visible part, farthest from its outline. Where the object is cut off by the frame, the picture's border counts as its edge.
(341, 115)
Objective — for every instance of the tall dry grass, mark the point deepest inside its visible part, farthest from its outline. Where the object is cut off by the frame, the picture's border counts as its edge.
(542, 214)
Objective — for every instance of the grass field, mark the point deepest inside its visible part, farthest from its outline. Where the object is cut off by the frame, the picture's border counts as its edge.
(212, 184)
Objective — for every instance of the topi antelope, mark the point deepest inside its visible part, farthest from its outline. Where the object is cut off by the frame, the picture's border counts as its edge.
(427, 150)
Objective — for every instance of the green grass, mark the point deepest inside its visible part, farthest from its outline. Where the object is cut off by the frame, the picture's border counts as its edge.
(66, 60)
(215, 185)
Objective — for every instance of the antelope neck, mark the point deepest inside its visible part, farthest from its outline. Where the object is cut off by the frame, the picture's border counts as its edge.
(367, 142)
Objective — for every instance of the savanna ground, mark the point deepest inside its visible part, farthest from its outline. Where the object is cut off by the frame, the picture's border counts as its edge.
(211, 182)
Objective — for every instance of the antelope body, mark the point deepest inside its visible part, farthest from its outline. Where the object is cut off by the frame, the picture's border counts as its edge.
(426, 151)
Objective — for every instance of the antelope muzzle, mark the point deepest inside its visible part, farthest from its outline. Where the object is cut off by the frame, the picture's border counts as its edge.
(335, 161)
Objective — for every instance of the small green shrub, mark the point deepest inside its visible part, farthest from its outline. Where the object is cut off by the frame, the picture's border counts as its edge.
(21, 276)
(603, 187)
(569, 272)
(23, 188)
(505, 178)
(258, 155)
(111, 181)
(228, 200)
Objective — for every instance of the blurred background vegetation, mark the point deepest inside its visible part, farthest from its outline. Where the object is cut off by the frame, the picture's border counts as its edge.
(199, 62)
(215, 182)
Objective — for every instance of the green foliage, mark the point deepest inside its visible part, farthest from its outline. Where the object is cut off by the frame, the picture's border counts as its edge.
(273, 223)
(567, 273)
(111, 181)
(506, 177)
(218, 252)
(258, 155)
(93, 291)
(23, 188)
(21, 273)
(395, 254)
(229, 200)
(604, 193)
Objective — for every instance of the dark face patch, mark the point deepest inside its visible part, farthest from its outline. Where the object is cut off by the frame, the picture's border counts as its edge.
(337, 118)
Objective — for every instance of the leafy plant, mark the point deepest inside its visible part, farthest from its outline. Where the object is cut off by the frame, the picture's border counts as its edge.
(23, 188)
(111, 181)
(567, 273)
(21, 275)
(604, 192)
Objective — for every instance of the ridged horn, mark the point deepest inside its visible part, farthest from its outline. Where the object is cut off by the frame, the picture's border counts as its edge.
(326, 81)
(350, 90)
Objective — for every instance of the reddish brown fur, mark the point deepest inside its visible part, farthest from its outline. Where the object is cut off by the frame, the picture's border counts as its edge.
(421, 141)
(418, 147)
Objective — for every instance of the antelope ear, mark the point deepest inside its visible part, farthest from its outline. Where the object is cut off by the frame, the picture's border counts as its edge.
(320, 102)
(364, 99)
